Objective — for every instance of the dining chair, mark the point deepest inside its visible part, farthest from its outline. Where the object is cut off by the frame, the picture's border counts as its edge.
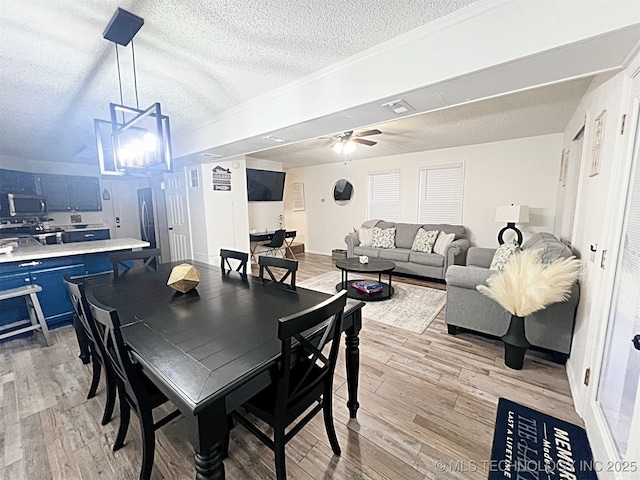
(83, 318)
(148, 258)
(135, 391)
(276, 243)
(242, 257)
(286, 268)
(303, 378)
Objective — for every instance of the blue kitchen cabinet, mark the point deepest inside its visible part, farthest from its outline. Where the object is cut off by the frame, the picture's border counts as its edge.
(96, 263)
(85, 235)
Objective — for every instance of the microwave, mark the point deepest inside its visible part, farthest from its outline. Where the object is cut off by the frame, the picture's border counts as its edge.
(20, 205)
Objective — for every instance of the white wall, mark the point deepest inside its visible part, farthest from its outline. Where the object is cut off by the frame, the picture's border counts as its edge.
(522, 171)
(120, 213)
(219, 219)
(263, 216)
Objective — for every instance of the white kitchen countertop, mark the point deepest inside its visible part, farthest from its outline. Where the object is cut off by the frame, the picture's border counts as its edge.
(36, 251)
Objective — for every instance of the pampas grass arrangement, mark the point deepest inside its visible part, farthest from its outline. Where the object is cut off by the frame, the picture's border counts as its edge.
(527, 285)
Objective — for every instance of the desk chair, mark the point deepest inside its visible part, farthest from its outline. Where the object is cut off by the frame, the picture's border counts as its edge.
(304, 378)
(276, 243)
(242, 257)
(290, 268)
(87, 328)
(149, 258)
(135, 391)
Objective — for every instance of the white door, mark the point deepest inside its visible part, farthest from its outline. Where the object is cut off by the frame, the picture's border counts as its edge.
(178, 216)
(614, 412)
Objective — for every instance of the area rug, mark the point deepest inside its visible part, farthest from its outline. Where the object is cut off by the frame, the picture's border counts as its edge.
(412, 308)
(531, 444)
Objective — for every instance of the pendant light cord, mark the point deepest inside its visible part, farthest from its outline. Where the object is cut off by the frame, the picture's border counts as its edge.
(119, 78)
(135, 77)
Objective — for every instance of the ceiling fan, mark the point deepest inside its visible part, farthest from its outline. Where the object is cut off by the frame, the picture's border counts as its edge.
(346, 142)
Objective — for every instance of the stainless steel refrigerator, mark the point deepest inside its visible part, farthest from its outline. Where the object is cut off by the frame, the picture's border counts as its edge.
(153, 220)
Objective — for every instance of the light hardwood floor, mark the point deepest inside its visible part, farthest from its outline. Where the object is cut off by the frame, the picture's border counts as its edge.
(423, 399)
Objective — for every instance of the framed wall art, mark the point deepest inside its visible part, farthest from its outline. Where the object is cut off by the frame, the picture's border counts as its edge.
(298, 197)
(564, 166)
(596, 149)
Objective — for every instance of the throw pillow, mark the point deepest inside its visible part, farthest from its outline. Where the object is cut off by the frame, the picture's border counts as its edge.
(503, 254)
(442, 243)
(384, 237)
(424, 241)
(366, 237)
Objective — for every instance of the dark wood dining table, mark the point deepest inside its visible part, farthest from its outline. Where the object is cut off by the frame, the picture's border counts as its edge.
(210, 350)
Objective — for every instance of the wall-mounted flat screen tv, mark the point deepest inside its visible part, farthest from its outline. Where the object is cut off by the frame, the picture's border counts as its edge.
(265, 185)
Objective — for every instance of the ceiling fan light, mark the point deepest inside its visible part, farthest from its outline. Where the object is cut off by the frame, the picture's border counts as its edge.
(349, 147)
(337, 147)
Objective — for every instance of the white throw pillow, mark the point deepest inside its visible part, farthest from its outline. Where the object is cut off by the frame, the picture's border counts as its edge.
(503, 254)
(384, 237)
(424, 241)
(443, 242)
(366, 237)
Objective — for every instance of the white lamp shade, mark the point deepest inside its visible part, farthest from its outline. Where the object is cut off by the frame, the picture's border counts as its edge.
(349, 147)
(513, 214)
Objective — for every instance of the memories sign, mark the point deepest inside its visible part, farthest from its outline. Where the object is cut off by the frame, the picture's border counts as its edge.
(221, 179)
(530, 445)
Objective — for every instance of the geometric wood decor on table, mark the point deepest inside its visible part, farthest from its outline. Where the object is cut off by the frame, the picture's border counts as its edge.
(184, 277)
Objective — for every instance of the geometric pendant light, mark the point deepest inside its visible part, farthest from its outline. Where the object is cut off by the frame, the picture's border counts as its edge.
(133, 141)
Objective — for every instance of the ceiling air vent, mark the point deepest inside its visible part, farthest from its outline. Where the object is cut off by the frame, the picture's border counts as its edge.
(398, 107)
(273, 138)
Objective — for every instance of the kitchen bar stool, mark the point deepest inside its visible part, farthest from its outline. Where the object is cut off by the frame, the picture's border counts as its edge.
(36, 317)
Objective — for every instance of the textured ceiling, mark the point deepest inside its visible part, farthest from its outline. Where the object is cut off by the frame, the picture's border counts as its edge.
(532, 112)
(197, 59)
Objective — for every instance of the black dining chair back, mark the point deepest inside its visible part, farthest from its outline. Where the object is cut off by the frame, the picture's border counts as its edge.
(84, 319)
(276, 243)
(304, 378)
(135, 391)
(241, 257)
(279, 270)
(147, 258)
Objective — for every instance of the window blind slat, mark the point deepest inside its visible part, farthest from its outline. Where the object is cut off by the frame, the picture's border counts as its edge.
(440, 194)
(383, 199)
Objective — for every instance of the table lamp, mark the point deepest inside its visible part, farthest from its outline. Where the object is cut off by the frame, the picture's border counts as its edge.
(511, 215)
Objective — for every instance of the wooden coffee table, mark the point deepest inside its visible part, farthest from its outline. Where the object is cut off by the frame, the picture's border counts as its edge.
(375, 265)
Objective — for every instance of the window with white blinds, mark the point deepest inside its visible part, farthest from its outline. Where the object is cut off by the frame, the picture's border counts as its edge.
(383, 196)
(440, 193)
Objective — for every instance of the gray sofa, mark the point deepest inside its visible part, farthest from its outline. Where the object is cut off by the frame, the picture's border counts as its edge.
(550, 328)
(431, 265)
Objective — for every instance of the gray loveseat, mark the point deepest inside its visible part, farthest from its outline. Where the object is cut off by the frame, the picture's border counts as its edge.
(431, 265)
(551, 328)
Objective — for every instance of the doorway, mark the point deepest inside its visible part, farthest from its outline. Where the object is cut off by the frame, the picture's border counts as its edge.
(178, 216)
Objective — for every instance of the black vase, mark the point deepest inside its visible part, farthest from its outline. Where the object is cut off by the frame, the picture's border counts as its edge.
(515, 343)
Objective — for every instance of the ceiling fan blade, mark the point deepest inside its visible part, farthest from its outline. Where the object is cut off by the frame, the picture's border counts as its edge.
(366, 133)
(369, 143)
